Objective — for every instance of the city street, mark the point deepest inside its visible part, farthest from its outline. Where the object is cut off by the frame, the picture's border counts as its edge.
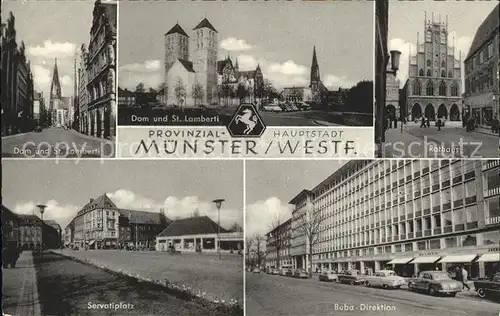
(278, 295)
(67, 287)
(222, 279)
(55, 142)
(416, 142)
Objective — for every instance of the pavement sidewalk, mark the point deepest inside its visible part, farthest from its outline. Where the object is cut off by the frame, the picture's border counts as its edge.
(20, 288)
(89, 137)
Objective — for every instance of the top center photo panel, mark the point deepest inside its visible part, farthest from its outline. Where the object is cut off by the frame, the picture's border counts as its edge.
(246, 79)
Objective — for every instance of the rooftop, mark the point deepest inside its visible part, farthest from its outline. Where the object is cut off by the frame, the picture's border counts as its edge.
(200, 225)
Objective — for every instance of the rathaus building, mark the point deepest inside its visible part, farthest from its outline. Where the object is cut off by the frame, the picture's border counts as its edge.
(407, 215)
(433, 88)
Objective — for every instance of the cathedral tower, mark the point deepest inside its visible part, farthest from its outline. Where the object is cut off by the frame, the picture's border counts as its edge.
(315, 77)
(176, 47)
(205, 48)
(55, 88)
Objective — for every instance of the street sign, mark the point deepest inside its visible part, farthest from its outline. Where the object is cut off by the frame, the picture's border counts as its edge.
(246, 122)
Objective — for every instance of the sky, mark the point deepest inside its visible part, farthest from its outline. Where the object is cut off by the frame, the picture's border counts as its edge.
(51, 29)
(271, 184)
(406, 18)
(180, 187)
(277, 35)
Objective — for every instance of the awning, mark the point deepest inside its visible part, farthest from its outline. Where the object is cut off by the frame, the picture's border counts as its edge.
(400, 260)
(91, 242)
(489, 257)
(457, 259)
(425, 259)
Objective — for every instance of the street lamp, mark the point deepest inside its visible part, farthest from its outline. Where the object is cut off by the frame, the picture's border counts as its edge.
(218, 204)
(41, 208)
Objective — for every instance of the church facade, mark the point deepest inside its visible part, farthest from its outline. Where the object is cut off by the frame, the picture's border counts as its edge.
(194, 76)
(434, 76)
(58, 105)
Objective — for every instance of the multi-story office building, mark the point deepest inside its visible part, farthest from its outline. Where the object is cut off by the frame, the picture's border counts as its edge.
(481, 72)
(278, 242)
(408, 215)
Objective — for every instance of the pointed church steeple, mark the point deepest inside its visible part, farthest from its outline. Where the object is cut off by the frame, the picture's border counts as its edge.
(315, 77)
(55, 87)
(236, 66)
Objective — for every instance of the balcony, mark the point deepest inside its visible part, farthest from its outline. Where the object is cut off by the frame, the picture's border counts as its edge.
(492, 220)
(494, 191)
(489, 164)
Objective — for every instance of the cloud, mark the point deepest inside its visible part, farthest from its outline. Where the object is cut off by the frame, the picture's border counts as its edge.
(333, 82)
(147, 66)
(261, 216)
(147, 72)
(461, 43)
(61, 213)
(234, 44)
(42, 77)
(52, 50)
(403, 46)
(288, 68)
(129, 200)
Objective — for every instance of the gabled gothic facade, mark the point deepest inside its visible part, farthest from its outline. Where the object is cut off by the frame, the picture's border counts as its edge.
(434, 76)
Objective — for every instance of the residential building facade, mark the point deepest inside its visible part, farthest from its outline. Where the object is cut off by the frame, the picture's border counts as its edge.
(16, 83)
(83, 93)
(101, 71)
(481, 95)
(279, 241)
(10, 227)
(407, 215)
(434, 76)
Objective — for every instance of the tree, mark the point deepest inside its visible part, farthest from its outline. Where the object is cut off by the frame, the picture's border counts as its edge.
(197, 92)
(259, 240)
(140, 87)
(241, 92)
(359, 98)
(180, 91)
(309, 223)
(278, 237)
(248, 247)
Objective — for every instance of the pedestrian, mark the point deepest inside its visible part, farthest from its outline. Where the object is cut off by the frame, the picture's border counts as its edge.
(464, 279)
(439, 124)
(423, 122)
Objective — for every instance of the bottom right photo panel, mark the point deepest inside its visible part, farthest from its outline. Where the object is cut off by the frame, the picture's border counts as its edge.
(372, 237)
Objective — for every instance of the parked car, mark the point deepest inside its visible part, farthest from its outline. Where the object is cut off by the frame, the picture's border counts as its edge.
(351, 277)
(301, 274)
(275, 271)
(386, 279)
(328, 276)
(435, 282)
(289, 273)
(38, 129)
(256, 270)
(489, 288)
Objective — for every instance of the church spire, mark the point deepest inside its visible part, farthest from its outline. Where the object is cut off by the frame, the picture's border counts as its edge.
(55, 87)
(315, 77)
(236, 66)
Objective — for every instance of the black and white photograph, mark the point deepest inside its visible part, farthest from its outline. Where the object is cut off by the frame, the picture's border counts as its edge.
(437, 79)
(162, 238)
(372, 237)
(291, 64)
(59, 79)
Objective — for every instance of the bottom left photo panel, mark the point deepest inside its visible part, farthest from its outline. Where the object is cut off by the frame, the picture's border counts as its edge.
(120, 237)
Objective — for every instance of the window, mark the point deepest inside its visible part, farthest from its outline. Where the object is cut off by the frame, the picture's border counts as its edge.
(435, 244)
(443, 73)
(493, 206)
(442, 88)
(443, 64)
(450, 242)
(409, 224)
(437, 220)
(470, 189)
(427, 223)
(468, 240)
(492, 179)
(421, 72)
(417, 90)
(491, 238)
(447, 219)
(418, 223)
(409, 247)
(459, 216)
(421, 245)
(450, 74)
(430, 88)
(490, 50)
(429, 73)
(429, 63)
(454, 90)
(471, 214)
(458, 192)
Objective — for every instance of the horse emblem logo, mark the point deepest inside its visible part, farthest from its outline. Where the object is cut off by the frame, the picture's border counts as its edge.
(246, 122)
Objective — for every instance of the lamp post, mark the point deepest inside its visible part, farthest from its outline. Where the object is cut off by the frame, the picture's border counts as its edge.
(41, 208)
(218, 204)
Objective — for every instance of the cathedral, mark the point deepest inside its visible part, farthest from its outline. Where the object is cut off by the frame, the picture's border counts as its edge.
(59, 106)
(433, 88)
(194, 78)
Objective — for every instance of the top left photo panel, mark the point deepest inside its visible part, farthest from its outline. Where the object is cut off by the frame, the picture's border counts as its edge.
(58, 79)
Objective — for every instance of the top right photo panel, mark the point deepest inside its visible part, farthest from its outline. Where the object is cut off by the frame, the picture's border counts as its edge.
(437, 79)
